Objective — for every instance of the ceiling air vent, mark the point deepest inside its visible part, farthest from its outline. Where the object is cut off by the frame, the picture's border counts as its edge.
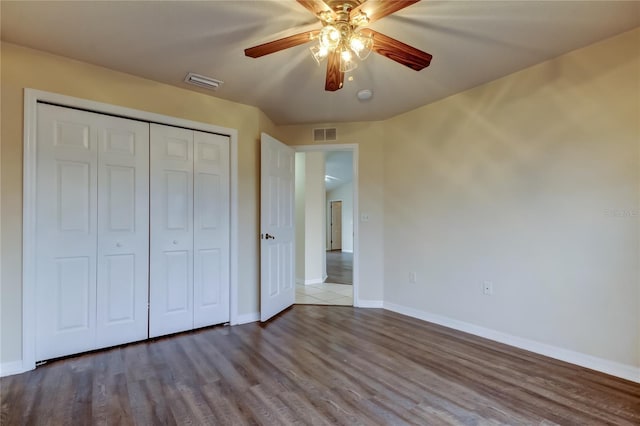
(323, 135)
(202, 81)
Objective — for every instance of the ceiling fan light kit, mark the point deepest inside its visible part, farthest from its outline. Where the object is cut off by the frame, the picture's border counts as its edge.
(343, 40)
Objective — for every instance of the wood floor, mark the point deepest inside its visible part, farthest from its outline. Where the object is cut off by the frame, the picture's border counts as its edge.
(318, 365)
(339, 267)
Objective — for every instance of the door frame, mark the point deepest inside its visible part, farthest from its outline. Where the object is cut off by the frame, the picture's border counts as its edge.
(353, 147)
(31, 99)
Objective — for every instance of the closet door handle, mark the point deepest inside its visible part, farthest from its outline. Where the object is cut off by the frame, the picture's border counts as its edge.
(118, 245)
(175, 242)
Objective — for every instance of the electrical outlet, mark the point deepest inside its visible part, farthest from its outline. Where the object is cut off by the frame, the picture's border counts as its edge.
(487, 288)
(413, 278)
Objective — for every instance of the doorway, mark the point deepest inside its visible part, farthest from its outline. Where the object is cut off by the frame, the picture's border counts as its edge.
(326, 229)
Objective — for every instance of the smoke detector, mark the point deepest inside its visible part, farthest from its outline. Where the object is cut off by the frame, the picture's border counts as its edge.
(365, 94)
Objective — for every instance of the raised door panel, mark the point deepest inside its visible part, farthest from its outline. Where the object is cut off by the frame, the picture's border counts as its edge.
(211, 229)
(171, 251)
(66, 232)
(178, 293)
(123, 231)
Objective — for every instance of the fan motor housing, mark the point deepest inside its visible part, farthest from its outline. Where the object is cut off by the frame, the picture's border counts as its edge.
(342, 5)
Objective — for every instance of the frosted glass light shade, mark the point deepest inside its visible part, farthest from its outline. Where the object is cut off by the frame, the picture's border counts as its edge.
(329, 37)
(361, 44)
(319, 53)
(347, 62)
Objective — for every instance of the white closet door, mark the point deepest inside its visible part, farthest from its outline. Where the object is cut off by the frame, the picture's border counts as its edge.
(92, 231)
(211, 229)
(123, 231)
(171, 254)
(66, 232)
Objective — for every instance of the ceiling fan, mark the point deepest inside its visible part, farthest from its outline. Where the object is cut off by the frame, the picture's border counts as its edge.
(344, 37)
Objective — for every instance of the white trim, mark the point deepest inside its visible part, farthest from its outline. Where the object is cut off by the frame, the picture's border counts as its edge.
(11, 368)
(353, 147)
(362, 303)
(624, 371)
(31, 98)
(347, 251)
(312, 281)
(246, 318)
(234, 296)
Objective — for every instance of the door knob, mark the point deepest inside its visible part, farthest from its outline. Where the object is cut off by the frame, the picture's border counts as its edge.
(175, 242)
(268, 237)
(118, 245)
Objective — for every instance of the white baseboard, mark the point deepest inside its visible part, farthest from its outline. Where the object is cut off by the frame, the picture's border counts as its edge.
(624, 371)
(11, 368)
(361, 303)
(347, 251)
(247, 318)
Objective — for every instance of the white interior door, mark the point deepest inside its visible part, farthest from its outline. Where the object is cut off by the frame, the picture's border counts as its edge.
(123, 231)
(336, 225)
(211, 226)
(66, 232)
(171, 254)
(277, 251)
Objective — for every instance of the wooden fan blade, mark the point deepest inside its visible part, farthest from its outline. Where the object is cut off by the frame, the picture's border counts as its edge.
(335, 77)
(376, 9)
(317, 7)
(281, 44)
(399, 52)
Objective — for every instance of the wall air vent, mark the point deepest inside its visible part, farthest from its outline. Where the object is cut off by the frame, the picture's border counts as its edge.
(325, 135)
(202, 81)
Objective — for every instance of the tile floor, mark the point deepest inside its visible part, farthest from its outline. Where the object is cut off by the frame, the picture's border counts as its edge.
(324, 294)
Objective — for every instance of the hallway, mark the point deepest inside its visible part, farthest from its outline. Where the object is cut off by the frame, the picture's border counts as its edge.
(337, 288)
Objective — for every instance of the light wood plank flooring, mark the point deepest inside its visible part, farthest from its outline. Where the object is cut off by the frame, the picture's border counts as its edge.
(339, 267)
(318, 365)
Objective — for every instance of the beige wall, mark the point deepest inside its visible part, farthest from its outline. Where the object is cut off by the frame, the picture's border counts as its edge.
(23, 68)
(300, 216)
(369, 136)
(314, 232)
(531, 182)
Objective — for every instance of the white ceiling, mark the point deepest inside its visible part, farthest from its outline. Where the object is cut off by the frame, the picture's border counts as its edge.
(472, 42)
(338, 169)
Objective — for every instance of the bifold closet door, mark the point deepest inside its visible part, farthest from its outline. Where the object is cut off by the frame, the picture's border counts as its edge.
(123, 231)
(189, 270)
(211, 226)
(91, 231)
(171, 255)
